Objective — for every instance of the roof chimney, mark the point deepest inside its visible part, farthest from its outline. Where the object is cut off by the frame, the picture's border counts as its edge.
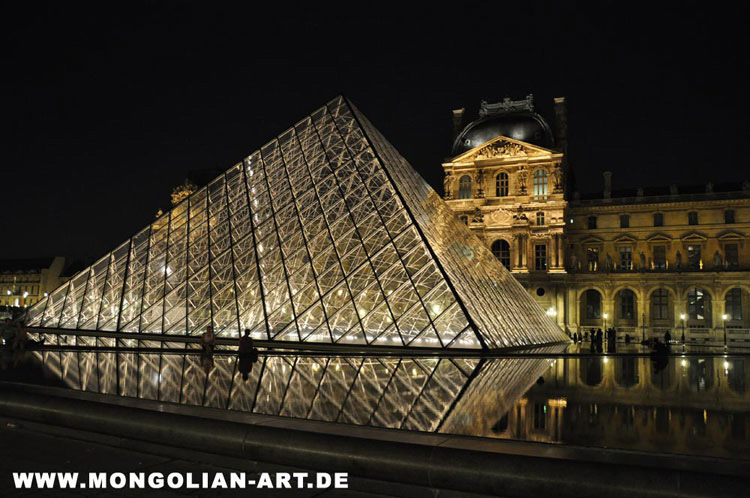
(458, 121)
(607, 184)
(561, 125)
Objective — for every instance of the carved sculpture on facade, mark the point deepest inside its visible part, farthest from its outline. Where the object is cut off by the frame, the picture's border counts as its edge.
(643, 260)
(610, 264)
(447, 186)
(479, 179)
(499, 217)
(557, 179)
(717, 259)
(520, 215)
(499, 149)
(521, 177)
(678, 256)
(476, 216)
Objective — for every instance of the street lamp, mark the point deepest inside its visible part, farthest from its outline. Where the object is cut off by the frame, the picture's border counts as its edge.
(682, 317)
(552, 312)
(724, 319)
(605, 320)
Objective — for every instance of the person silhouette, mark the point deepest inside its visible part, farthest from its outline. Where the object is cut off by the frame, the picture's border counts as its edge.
(247, 355)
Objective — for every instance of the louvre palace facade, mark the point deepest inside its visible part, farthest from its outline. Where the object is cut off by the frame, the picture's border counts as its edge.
(646, 260)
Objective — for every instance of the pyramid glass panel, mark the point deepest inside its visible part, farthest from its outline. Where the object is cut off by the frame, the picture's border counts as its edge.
(326, 234)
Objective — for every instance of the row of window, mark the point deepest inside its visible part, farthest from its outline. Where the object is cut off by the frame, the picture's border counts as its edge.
(659, 219)
(501, 250)
(502, 185)
(659, 257)
(20, 289)
(698, 304)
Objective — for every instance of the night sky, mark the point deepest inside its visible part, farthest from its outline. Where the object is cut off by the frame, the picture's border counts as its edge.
(108, 108)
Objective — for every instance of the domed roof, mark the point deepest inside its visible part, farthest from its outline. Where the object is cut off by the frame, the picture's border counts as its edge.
(512, 119)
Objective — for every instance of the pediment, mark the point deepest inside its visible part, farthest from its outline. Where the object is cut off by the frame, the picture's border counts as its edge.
(592, 240)
(625, 238)
(659, 237)
(731, 235)
(693, 236)
(503, 148)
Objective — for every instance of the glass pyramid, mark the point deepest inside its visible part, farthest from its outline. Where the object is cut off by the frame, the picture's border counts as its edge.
(326, 234)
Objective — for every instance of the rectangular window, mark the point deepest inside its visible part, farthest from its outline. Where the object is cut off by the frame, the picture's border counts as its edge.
(693, 218)
(626, 259)
(592, 222)
(540, 256)
(592, 258)
(660, 257)
(627, 304)
(540, 415)
(696, 304)
(660, 304)
(658, 220)
(729, 216)
(540, 218)
(732, 255)
(694, 256)
(734, 304)
(624, 221)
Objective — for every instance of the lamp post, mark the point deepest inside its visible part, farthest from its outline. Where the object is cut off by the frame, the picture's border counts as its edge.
(682, 318)
(605, 316)
(724, 320)
(643, 326)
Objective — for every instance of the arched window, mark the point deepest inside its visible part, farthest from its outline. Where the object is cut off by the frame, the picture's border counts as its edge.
(464, 187)
(627, 304)
(698, 304)
(733, 304)
(593, 304)
(660, 304)
(540, 183)
(501, 250)
(501, 185)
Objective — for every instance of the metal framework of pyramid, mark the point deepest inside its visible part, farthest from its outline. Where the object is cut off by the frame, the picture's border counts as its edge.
(327, 235)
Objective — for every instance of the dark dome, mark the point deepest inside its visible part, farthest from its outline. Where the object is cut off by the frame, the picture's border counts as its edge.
(525, 126)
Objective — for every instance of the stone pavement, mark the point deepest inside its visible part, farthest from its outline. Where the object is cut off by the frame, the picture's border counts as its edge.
(29, 447)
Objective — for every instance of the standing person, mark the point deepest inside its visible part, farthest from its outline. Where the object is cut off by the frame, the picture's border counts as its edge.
(19, 341)
(208, 339)
(7, 332)
(248, 355)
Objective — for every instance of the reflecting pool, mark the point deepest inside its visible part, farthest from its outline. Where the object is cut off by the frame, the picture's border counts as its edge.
(694, 403)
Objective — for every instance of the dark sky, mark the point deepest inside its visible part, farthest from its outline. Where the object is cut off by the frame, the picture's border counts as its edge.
(107, 108)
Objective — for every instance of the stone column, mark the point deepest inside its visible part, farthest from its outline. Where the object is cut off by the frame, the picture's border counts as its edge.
(553, 251)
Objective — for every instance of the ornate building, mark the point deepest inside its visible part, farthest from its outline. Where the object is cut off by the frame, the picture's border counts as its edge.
(645, 261)
(23, 282)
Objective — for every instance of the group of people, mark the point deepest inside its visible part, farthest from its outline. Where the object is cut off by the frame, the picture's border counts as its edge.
(597, 337)
(246, 352)
(13, 343)
(14, 335)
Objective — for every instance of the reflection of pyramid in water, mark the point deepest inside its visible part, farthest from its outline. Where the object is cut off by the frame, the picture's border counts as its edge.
(352, 246)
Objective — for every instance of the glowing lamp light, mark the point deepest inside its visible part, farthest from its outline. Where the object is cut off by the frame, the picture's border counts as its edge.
(605, 315)
(724, 316)
(682, 316)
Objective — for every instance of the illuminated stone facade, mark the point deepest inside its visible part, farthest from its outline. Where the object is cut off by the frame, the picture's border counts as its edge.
(645, 261)
(678, 406)
(24, 282)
